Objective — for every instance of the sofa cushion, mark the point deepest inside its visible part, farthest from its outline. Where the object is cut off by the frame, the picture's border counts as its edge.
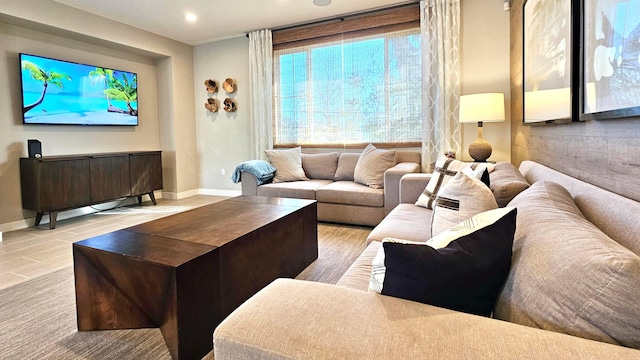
(320, 166)
(461, 269)
(358, 275)
(405, 221)
(462, 198)
(346, 166)
(444, 170)
(296, 319)
(506, 182)
(294, 189)
(371, 166)
(351, 193)
(288, 164)
(567, 275)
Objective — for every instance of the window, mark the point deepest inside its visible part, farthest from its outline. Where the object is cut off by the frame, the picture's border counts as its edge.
(349, 91)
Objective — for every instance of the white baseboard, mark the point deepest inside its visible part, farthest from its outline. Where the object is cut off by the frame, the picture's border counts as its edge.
(217, 192)
(180, 195)
(213, 192)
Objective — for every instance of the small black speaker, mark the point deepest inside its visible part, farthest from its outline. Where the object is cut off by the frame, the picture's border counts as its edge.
(35, 148)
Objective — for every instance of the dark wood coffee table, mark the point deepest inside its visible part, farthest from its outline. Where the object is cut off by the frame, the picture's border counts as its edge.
(185, 273)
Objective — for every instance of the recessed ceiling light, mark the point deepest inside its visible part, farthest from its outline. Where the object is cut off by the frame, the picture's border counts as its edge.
(191, 17)
(322, 2)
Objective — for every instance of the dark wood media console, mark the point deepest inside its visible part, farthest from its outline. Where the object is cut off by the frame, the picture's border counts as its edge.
(56, 183)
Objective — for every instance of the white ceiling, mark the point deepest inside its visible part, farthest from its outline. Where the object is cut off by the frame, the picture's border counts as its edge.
(219, 19)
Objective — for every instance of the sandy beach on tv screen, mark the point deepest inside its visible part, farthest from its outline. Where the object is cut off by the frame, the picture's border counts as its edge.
(83, 118)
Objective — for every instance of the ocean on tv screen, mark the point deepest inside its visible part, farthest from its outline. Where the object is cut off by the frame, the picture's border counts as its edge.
(60, 92)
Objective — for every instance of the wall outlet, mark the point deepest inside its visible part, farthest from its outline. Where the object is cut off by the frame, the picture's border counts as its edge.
(222, 172)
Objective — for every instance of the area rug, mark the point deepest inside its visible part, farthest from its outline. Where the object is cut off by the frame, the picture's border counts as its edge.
(38, 321)
(38, 317)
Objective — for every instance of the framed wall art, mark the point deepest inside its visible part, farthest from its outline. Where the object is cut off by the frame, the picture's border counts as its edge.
(610, 63)
(548, 61)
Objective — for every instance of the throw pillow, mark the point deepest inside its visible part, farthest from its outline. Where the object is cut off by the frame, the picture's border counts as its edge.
(371, 166)
(479, 171)
(463, 197)
(461, 269)
(288, 164)
(444, 170)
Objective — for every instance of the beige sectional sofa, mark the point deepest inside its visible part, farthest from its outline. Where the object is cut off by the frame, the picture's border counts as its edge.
(572, 291)
(331, 183)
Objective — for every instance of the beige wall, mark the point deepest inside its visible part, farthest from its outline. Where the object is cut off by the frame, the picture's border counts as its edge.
(224, 139)
(165, 70)
(485, 68)
(605, 153)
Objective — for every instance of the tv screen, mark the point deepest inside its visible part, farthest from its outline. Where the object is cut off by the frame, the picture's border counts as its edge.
(62, 92)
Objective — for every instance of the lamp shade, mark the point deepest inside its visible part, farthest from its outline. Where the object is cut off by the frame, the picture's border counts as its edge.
(487, 107)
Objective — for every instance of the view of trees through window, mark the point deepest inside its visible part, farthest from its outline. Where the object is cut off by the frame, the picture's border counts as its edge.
(353, 91)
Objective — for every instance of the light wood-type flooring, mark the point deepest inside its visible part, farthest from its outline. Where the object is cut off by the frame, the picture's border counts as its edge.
(35, 251)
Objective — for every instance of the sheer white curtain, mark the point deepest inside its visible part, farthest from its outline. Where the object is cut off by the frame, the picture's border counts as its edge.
(440, 30)
(261, 75)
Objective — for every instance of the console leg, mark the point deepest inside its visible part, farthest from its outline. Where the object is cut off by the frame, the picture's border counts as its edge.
(139, 199)
(153, 197)
(53, 215)
(38, 218)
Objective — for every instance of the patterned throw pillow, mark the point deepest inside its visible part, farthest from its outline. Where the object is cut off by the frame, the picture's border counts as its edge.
(461, 269)
(445, 169)
(463, 197)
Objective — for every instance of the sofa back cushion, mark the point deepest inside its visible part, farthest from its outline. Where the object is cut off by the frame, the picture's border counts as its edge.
(320, 166)
(408, 156)
(346, 166)
(506, 182)
(567, 275)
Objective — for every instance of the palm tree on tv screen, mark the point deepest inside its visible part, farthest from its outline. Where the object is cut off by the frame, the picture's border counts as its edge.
(47, 77)
(123, 90)
(104, 75)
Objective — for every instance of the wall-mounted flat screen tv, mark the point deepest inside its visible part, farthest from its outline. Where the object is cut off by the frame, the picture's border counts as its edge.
(67, 93)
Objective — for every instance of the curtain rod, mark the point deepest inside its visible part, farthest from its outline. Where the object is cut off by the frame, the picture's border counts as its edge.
(345, 16)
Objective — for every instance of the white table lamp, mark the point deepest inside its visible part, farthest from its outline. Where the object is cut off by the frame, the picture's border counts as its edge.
(481, 108)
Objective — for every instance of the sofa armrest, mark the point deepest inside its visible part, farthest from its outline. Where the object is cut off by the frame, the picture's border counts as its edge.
(411, 186)
(249, 183)
(392, 183)
(295, 319)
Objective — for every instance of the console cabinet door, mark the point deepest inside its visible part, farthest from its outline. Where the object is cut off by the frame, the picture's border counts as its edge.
(109, 177)
(146, 172)
(50, 185)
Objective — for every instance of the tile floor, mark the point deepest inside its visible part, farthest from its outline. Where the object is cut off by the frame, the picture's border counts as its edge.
(35, 251)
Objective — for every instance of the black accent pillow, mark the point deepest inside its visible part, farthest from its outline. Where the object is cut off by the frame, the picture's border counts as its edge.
(466, 275)
(485, 178)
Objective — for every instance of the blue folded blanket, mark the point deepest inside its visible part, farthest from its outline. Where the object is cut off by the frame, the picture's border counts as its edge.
(262, 170)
